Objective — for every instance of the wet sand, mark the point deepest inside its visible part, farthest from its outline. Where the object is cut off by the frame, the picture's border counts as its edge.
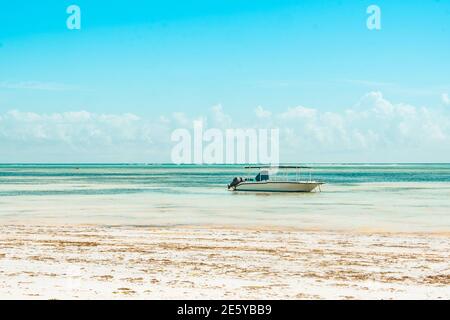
(211, 262)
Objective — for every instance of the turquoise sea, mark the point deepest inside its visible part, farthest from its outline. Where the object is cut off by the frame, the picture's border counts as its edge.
(399, 197)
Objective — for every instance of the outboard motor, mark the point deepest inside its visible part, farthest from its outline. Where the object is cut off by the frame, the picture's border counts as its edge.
(235, 182)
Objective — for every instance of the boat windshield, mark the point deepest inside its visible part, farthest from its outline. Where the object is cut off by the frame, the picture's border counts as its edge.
(262, 176)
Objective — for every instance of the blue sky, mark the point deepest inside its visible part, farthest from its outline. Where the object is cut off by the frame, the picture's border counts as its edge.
(154, 59)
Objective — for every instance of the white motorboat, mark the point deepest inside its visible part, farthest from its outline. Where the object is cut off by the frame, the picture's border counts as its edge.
(265, 182)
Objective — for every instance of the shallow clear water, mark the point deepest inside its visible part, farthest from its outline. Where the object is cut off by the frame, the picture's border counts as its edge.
(411, 197)
(171, 178)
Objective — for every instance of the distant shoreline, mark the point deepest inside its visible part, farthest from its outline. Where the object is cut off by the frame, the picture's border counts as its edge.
(220, 164)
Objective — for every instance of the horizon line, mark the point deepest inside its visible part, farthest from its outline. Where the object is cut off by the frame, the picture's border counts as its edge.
(205, 164)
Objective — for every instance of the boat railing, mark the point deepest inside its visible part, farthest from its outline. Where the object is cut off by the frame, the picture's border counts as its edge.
(289, 176)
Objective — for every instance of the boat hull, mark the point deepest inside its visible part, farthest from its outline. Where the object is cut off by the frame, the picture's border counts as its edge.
(278, 186)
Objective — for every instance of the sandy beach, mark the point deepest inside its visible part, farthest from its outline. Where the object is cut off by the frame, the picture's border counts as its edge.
(139, 262)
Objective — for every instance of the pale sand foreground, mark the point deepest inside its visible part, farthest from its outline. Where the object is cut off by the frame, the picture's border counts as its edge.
(96, 262)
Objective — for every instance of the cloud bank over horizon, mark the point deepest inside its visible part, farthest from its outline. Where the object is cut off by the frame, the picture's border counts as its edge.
(374, 129)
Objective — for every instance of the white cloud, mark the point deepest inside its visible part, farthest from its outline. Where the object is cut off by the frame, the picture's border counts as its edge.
(369, 83)
(262, 113)
(82, 136)
(375, 127)
(74, 128)
(181, 119)
(220, 118)
(37, 85)
(374, 124)
(445, 98)
(298, 112)
(164, 119)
